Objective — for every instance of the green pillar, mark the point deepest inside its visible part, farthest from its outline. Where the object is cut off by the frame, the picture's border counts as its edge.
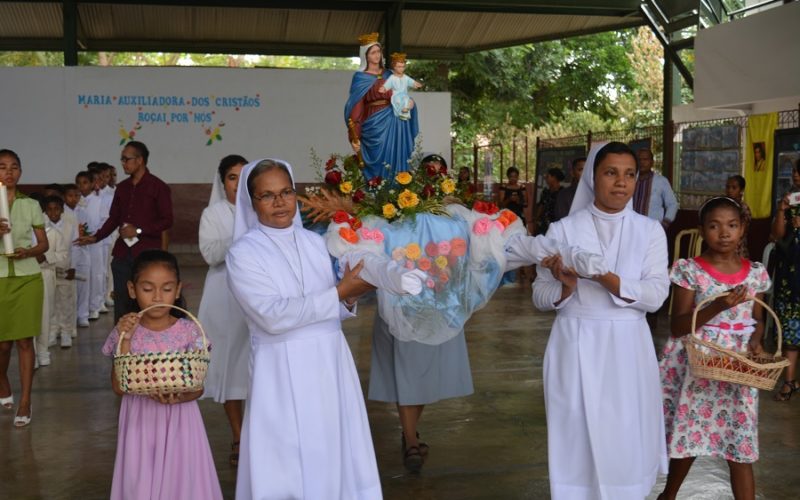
(70, 17)
(393, 26)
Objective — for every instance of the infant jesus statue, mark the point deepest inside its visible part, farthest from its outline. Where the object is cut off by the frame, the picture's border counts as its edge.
(399, 83)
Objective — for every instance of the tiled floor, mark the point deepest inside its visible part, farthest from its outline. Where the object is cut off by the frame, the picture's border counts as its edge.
(491, 445)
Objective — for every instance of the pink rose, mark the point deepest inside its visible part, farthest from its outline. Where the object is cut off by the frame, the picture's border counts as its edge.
(482, 226)
(409, 264)
(715, 439)
(444, 247)
(683, 410)
(696, 437)
(499, 225)
(429, 283)
(705, 410)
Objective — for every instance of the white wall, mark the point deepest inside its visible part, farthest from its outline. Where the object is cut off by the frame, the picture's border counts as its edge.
(50, 119)
(750, 60)
(690, 113)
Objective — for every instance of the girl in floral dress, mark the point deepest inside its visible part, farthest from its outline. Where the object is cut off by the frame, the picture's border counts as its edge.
(706, 417)
(162, 447)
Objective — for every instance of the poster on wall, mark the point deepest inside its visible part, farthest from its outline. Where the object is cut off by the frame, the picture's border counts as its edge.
(786, 161)
(709, 155)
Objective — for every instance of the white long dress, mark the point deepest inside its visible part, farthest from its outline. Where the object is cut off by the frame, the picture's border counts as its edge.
(605, 425)
(223, 319)
(306, 433)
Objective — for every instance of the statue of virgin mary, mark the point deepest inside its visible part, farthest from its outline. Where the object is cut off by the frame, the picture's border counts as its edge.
(377, 136)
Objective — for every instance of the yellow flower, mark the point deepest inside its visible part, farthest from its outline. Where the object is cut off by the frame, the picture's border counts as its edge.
(413, 251)
(389, 211)
(441, 262)
(346, 187)
(448, 186)
(407, 199)
(403, 178)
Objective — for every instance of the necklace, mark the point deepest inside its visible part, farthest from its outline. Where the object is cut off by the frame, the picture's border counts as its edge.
(298, 277)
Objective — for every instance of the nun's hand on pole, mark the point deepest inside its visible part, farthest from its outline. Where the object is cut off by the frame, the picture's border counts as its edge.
(4, 227)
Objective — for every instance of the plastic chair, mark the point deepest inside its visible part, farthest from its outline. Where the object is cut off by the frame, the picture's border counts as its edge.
(693, 242)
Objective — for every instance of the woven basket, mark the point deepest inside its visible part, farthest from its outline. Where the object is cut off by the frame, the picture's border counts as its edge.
(162, 372)
(709, 360)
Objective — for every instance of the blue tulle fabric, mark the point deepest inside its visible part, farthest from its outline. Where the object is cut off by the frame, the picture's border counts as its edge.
(452, 294)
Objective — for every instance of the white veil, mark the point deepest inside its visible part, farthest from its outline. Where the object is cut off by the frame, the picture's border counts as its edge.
(217, 189)
(246, 217)
(584, 195)
(362, 53)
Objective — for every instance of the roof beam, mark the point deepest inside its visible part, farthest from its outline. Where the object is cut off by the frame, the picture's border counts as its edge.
(613, 8)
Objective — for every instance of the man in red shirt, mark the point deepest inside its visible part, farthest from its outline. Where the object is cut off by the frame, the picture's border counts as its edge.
(141, 210)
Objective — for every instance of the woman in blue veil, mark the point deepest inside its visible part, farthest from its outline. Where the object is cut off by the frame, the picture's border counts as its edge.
(377, 136)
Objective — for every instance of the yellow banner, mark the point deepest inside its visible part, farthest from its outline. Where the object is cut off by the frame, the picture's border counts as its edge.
(759, 151)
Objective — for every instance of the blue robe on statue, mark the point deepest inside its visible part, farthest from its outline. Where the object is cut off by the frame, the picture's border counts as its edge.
(385, 139)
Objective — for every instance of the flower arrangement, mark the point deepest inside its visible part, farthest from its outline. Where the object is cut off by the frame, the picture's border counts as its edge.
(83, 229)
(421, 190)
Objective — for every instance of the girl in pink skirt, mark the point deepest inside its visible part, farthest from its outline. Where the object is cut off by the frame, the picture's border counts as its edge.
(162, 447)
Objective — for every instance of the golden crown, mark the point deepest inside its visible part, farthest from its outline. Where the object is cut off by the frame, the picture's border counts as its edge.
(368, 39)
(398, 57)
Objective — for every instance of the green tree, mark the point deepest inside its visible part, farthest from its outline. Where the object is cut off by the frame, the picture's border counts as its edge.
(500, 93)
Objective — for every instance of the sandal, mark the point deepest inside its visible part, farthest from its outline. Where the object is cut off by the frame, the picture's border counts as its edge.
(7, 402)
(233, 458)
(22, 421)
(783, 395)
(423, 447)
(412, 459)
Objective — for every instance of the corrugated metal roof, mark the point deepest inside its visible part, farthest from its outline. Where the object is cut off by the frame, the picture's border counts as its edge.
(31, 20)
(172, 26)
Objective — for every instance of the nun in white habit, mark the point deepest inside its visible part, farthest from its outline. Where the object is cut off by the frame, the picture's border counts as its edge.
(228, 375)
(605, 425)
(306, 433)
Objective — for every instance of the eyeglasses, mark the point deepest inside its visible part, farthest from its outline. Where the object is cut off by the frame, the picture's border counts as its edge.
(126, 159)
(287, 194)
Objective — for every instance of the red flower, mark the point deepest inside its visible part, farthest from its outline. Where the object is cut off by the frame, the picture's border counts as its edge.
(330, 163)
(355, 223)
(485, 207)
(432, 249)
(428, 191)
(340, 217)
(375, 181)
(359, 196)
(333, 178)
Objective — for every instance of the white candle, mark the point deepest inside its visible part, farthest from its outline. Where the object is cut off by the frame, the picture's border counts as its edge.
(8, 243)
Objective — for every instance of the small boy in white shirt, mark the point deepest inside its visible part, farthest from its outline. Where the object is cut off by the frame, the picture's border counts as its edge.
(55, 257)
(63, 316)
(81, 256)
